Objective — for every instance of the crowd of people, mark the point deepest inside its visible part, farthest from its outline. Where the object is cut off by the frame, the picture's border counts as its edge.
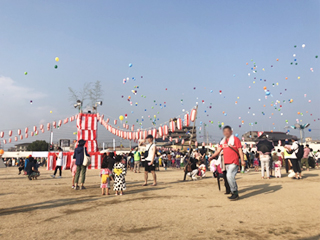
(228, 159)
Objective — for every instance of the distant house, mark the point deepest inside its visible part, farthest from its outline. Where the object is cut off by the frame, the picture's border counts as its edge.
(22, 147)
(255, 136)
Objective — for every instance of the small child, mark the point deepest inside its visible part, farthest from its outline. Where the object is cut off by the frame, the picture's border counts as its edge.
(256, 162)
(277, 169)
(202, 170)
(119, 172)
(105, 181)
(73, 169)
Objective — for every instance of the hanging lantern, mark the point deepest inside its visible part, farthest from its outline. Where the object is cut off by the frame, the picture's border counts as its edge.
(26, 130)
(160, 131)
(177, 140)
(10, 140)
(16, 138)
(10, 133)
(134, 136)
(124, 135)
(127, 126)
(172, 126)
(193, 115)
(32, 133)
(165, 130)
(154, 133)
(37, 132)
(163, 138)
(26, 135)
(149, 132)
(1, 134)
(48, 126)
(34, 128)
(42, 130)
(21, 137)
(132, 128)
(179, 123)
(170, 139)
(130, 135)
(41, 126)
(19, 131)
(182, 141)
(186, 120)
(4, 141)
(54, 124)
(115, 122)
(145, 134)
(107, 120)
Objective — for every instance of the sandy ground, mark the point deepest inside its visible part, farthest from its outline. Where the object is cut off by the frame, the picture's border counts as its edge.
(268, 209)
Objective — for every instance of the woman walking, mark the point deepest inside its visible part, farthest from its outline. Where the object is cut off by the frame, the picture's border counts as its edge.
(79, 153)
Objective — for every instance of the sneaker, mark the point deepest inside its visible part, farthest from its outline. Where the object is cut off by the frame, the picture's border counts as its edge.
(53, 176)
(73, 187)
(59, 177)
(234, 197)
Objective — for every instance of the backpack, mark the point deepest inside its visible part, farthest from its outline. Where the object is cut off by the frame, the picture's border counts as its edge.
(300, 152)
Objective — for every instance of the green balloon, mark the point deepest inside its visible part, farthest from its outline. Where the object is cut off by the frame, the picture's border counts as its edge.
(255, 123)
(25, 73)
(55, 66)
(316, 56)
(295, 46)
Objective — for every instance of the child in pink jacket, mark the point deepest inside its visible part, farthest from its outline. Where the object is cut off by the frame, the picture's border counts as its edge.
(73, 169)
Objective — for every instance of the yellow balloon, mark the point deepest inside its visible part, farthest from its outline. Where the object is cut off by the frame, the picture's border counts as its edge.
(50, 111)
(298, 77)
(262, 69)
(120, 117)
(57, 59)
(154, 116)
(222, 123)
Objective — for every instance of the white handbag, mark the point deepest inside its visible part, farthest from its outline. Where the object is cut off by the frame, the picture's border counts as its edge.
(86, 159)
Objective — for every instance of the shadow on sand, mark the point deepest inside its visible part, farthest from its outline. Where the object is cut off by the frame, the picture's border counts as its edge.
(258, 189)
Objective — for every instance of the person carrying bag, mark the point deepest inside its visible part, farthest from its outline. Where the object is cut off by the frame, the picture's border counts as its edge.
(82, 161)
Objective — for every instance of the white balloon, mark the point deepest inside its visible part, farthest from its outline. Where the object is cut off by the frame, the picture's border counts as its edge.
(294, 55)
(303, 45)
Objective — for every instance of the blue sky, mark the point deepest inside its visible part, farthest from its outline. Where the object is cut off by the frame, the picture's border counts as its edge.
(178, 45)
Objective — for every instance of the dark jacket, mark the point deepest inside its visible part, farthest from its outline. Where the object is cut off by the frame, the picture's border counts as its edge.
(78, 155)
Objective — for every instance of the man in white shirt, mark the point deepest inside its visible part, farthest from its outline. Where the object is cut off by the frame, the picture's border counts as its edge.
(149, 160)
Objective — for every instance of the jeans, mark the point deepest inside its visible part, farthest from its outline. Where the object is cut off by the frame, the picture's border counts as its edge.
(265, 164)
(232, 170)
(83, 170)
(136, 166)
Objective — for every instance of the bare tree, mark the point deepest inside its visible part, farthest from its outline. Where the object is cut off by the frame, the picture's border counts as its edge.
(95, 93)
(90, 91)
